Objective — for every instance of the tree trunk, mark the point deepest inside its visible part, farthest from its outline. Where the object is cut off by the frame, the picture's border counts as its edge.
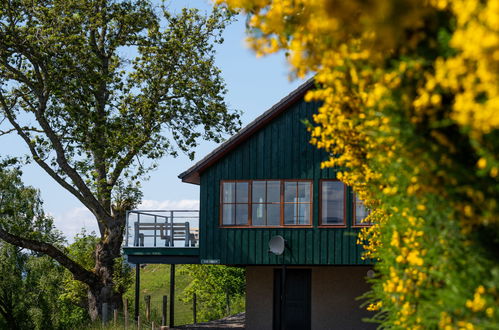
(106, 251)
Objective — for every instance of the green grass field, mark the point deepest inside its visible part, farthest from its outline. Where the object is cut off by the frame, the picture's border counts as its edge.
(155, 282)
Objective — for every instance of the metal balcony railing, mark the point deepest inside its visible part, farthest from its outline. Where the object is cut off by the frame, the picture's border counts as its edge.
(162, 228)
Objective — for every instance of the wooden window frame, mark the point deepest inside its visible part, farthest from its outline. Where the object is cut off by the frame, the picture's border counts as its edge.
(354, 216)
(311, 203)
(267, 203)
(341, 225)
(281, 203)
(222, 203)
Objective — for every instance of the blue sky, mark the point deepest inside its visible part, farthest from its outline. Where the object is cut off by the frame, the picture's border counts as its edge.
(254, 85)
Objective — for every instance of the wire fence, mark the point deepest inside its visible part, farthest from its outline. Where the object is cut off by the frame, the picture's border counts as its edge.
(153, 314)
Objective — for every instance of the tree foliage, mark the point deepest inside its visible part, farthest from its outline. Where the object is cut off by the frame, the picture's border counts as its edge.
(30, 291)
(99, 90)
(30, 287)
(410, 114)
(212, 284)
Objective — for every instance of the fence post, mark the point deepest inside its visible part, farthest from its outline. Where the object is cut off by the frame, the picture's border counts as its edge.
(104, 313)
(139, 324)
(228, 300)
(148, 307)
(153, 326)
(194, 305)
(163, 310)
(115, 317)
(125, 312)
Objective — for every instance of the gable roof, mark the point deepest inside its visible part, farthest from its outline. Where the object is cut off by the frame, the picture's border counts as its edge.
(192, 174)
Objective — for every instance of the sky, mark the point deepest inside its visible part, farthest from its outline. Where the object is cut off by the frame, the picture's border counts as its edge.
(254, 85)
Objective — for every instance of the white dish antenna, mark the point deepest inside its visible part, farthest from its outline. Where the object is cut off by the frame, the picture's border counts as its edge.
(277, 244)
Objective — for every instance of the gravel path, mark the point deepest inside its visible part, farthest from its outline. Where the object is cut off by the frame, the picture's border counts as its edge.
(230, 322)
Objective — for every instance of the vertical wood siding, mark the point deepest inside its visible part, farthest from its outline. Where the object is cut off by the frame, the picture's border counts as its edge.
(281, 150)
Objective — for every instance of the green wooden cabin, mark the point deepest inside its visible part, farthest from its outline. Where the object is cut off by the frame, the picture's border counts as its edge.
(266, 181)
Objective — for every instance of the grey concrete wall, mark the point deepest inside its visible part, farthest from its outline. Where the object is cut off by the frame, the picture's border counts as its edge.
(259, 297)
(334, 293)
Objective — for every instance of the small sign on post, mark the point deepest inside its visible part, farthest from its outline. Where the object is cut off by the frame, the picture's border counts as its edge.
(210, 261)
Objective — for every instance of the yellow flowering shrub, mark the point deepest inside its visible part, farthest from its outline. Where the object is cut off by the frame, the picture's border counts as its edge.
(410, 94)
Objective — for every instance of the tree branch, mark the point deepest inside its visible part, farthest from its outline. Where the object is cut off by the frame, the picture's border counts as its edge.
(38, 159)
(70, 171)
(79, 272)
(124, 162)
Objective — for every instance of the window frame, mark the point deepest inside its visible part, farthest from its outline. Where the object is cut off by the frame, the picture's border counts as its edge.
(354, 215)
(325, 225)
(311, 203)
(281, 204)
(222, 203)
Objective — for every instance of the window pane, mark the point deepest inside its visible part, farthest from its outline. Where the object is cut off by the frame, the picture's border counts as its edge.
(258, 191)
(303, 214)
(290, 192)
(228, 214)
(258, 215)
(273, 191)
(289, 214)
(273, 214)
(332, 202)
(229, 192)
(361, 212)
(242, 192)
(304, 191)
(241, 214)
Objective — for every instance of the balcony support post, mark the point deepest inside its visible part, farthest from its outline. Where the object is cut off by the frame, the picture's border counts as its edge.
(172, 296)
(137, 290)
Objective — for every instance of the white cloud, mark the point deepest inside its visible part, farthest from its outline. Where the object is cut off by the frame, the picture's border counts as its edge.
(72, 221)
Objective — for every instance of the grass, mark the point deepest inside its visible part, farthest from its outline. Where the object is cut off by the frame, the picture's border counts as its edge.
(155, 282)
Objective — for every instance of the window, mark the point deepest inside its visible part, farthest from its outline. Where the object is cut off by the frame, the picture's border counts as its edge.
(297, 202)
(235, 206)
(266, 199)
(270, 203)
(360, 212)
(333, 194)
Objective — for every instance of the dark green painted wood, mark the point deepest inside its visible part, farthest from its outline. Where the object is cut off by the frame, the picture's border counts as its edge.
(280, 150)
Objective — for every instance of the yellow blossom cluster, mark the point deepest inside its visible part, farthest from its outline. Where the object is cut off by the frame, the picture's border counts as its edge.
(410, 115)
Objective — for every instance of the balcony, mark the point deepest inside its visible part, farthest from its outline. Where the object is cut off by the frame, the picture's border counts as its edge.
(162, 236)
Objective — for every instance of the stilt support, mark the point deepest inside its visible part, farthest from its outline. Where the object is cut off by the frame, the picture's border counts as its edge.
(172, 296)
(137, 290)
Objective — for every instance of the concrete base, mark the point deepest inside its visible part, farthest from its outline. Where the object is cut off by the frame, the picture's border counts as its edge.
(334, 293)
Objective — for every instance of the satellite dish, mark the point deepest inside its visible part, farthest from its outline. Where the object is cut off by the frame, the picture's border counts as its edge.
(277, 245)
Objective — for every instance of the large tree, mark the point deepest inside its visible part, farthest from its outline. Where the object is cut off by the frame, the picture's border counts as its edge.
(98, 90)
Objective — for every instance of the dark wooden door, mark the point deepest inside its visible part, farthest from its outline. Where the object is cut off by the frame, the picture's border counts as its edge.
(297, 305)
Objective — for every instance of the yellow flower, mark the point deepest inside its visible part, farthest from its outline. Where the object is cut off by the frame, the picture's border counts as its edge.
(482, 163)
